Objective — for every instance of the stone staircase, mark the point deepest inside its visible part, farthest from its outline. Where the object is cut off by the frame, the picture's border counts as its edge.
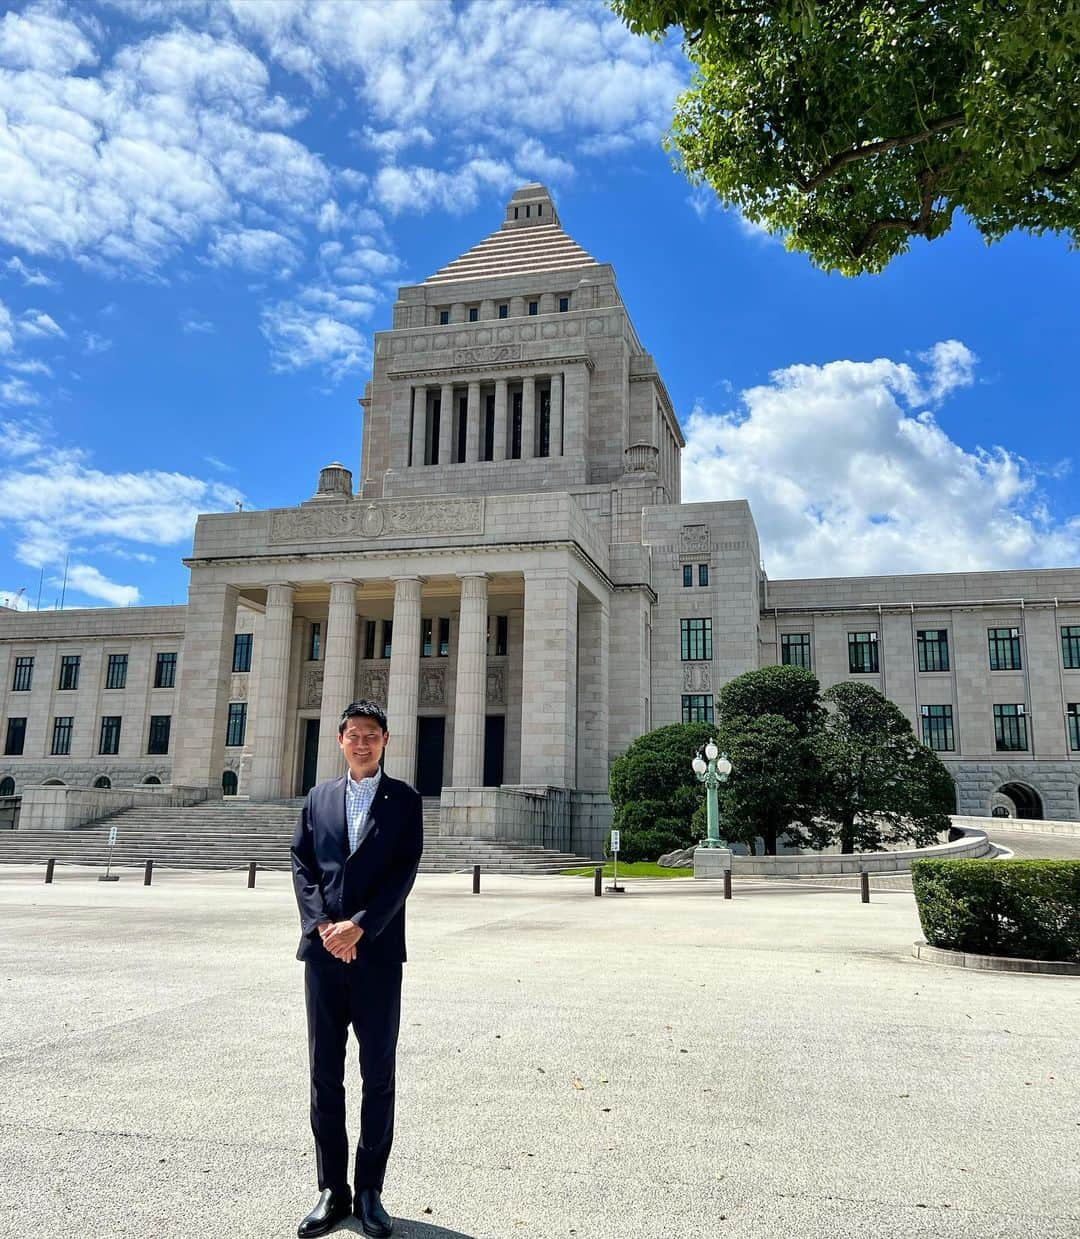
(229, 834)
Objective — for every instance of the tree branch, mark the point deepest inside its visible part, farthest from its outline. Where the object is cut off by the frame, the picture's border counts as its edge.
(1063, 172)
(858, 153)
(919, 227)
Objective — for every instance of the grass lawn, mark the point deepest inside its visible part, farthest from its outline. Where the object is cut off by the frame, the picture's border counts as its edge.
(640, 869)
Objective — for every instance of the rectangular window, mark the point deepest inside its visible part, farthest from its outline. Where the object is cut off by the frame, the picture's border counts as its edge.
(24, 675)
(241, 651)
(116, 675)
(1004, 649)
(502, 628)
(426, 626)
(444, 317)
(369, 638)
(504, 310)
(158, 741)
(69, 672)
(862, 652)
(696, 639)
(387, 637)
(534, 307)
(15, 739)
(1010, 729)
(489, 428)
(795, 649)
(444, 637)
(697, 708)
(1070, 647)
(937, 728)
(61, 735)
(703, 574)
(1073, 719)
(564, 304)
(933, 647)
(165, 671)
(474, 314)
(110, 735)
(462, 427)
(687, 575)
(515, 426)
(234, 734)
(544, 424)
(315, 643)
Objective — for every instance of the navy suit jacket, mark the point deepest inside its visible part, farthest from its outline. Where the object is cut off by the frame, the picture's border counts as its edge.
(368, 887)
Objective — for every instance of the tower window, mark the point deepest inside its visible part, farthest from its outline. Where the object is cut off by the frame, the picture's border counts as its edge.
(564, 304)
(474, 313)
(534, 307)
(504, 310)
(315, 643)
(444, 317)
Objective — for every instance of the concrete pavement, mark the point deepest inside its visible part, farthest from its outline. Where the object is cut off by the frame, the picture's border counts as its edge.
(659, 1064)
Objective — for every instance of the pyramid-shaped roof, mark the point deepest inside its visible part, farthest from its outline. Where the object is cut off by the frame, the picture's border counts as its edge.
(531, 240)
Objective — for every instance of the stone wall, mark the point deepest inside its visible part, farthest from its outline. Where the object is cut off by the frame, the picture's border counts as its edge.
(65, 808)
(550, 817)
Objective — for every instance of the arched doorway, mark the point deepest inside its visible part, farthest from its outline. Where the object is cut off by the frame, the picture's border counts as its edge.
(54, 783)
(151, 780)
(1025, 800)
(229, 783)
(103, 781)
(7, 786)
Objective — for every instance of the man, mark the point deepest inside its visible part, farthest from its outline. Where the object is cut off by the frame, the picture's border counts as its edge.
(354, 858)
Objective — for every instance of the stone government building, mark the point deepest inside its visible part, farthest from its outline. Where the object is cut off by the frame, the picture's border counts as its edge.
(517, 578)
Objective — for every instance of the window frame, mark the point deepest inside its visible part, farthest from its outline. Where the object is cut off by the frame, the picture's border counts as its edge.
(929, 652)
(564, 305)
(534, 308)
(474, 314)
(165, 669)
(698, 708)
(998, 644)
(872, 644)
(10, 732)
(155, 746)
(68, 680)
(444, 318)
(236, 725)
(934, 725)
(1021, 728)
(692, 638)
(62, 731)
(504, 309)
(370, 637)
(109, 735)
(116, 669)
(1072, 725)
(799, 641)
(687, 576)
(1070, 647)
(243, 644)
(24, 670)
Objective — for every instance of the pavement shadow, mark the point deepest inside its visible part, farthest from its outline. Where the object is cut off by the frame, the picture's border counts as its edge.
(405, 1228)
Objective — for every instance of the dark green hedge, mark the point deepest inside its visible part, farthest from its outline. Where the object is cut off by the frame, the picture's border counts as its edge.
(1026, 909)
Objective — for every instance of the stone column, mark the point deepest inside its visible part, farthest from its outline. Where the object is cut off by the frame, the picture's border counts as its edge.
(267, 724)
(339, 675)
(446, 423)
(556, 446)
(499, 451)
(549, 678)
(202, 702)
(404, 687)
(472, 439)
(575, 415)
(528, 417)
(419, 424)
(470, 697)
(400, 421)
(592, 695)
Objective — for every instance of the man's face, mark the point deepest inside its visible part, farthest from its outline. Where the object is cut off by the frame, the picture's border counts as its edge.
(363, 742)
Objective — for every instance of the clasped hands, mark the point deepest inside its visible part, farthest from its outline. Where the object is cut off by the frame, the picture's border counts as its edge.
(340, 939)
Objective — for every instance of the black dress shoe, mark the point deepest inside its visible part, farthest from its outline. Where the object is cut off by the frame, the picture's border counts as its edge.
(330, 1209)
(373, 1218)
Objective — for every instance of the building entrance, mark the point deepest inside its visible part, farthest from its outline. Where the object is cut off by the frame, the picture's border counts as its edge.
(311, 755)
(430, 738)
(494, 743)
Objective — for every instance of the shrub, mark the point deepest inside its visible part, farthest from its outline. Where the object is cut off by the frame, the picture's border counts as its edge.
(1025, 909)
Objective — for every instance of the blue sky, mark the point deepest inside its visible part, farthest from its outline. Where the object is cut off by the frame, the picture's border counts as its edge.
(206, 208)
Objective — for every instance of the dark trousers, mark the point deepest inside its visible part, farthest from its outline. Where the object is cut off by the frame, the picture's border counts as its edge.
(369, 998)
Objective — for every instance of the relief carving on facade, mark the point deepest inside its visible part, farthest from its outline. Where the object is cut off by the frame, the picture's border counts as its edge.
(375, 684)
(433, 686)
(496, 686)
(488, 355)
(694, 539)
(311, 687)
(238, 686)
(697, 678)
(419, 518)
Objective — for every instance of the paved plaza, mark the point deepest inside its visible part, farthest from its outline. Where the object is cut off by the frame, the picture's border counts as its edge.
(659, 1064)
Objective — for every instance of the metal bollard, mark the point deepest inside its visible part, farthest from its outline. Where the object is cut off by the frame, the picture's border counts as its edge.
(598, 881)
(49, 867)
(148, 876)
(864, 885)
(251, 876)
(476, 879)
(727, 883)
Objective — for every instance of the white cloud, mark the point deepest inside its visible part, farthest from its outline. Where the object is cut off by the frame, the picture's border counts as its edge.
(88, 580)
(845, 469)
(300, 337)
(29, 275)
(423, 189)
(94, 344)
(7, 329)
(19, 439)
(38, 39)
(15, 599)
(190, 325)
(392, 141)
(36, 323)
(257, 249)
(220, 465)
(17, 393)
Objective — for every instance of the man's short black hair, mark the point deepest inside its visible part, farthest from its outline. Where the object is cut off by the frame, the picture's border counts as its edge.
(362, 709)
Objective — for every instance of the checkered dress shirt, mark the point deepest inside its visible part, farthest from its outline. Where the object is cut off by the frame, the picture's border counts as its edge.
(359, 798)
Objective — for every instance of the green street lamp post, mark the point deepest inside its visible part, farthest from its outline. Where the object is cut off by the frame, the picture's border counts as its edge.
(712, 770)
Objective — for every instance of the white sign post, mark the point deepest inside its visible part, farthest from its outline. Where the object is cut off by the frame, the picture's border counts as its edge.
(615, 858)
(108, 875)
